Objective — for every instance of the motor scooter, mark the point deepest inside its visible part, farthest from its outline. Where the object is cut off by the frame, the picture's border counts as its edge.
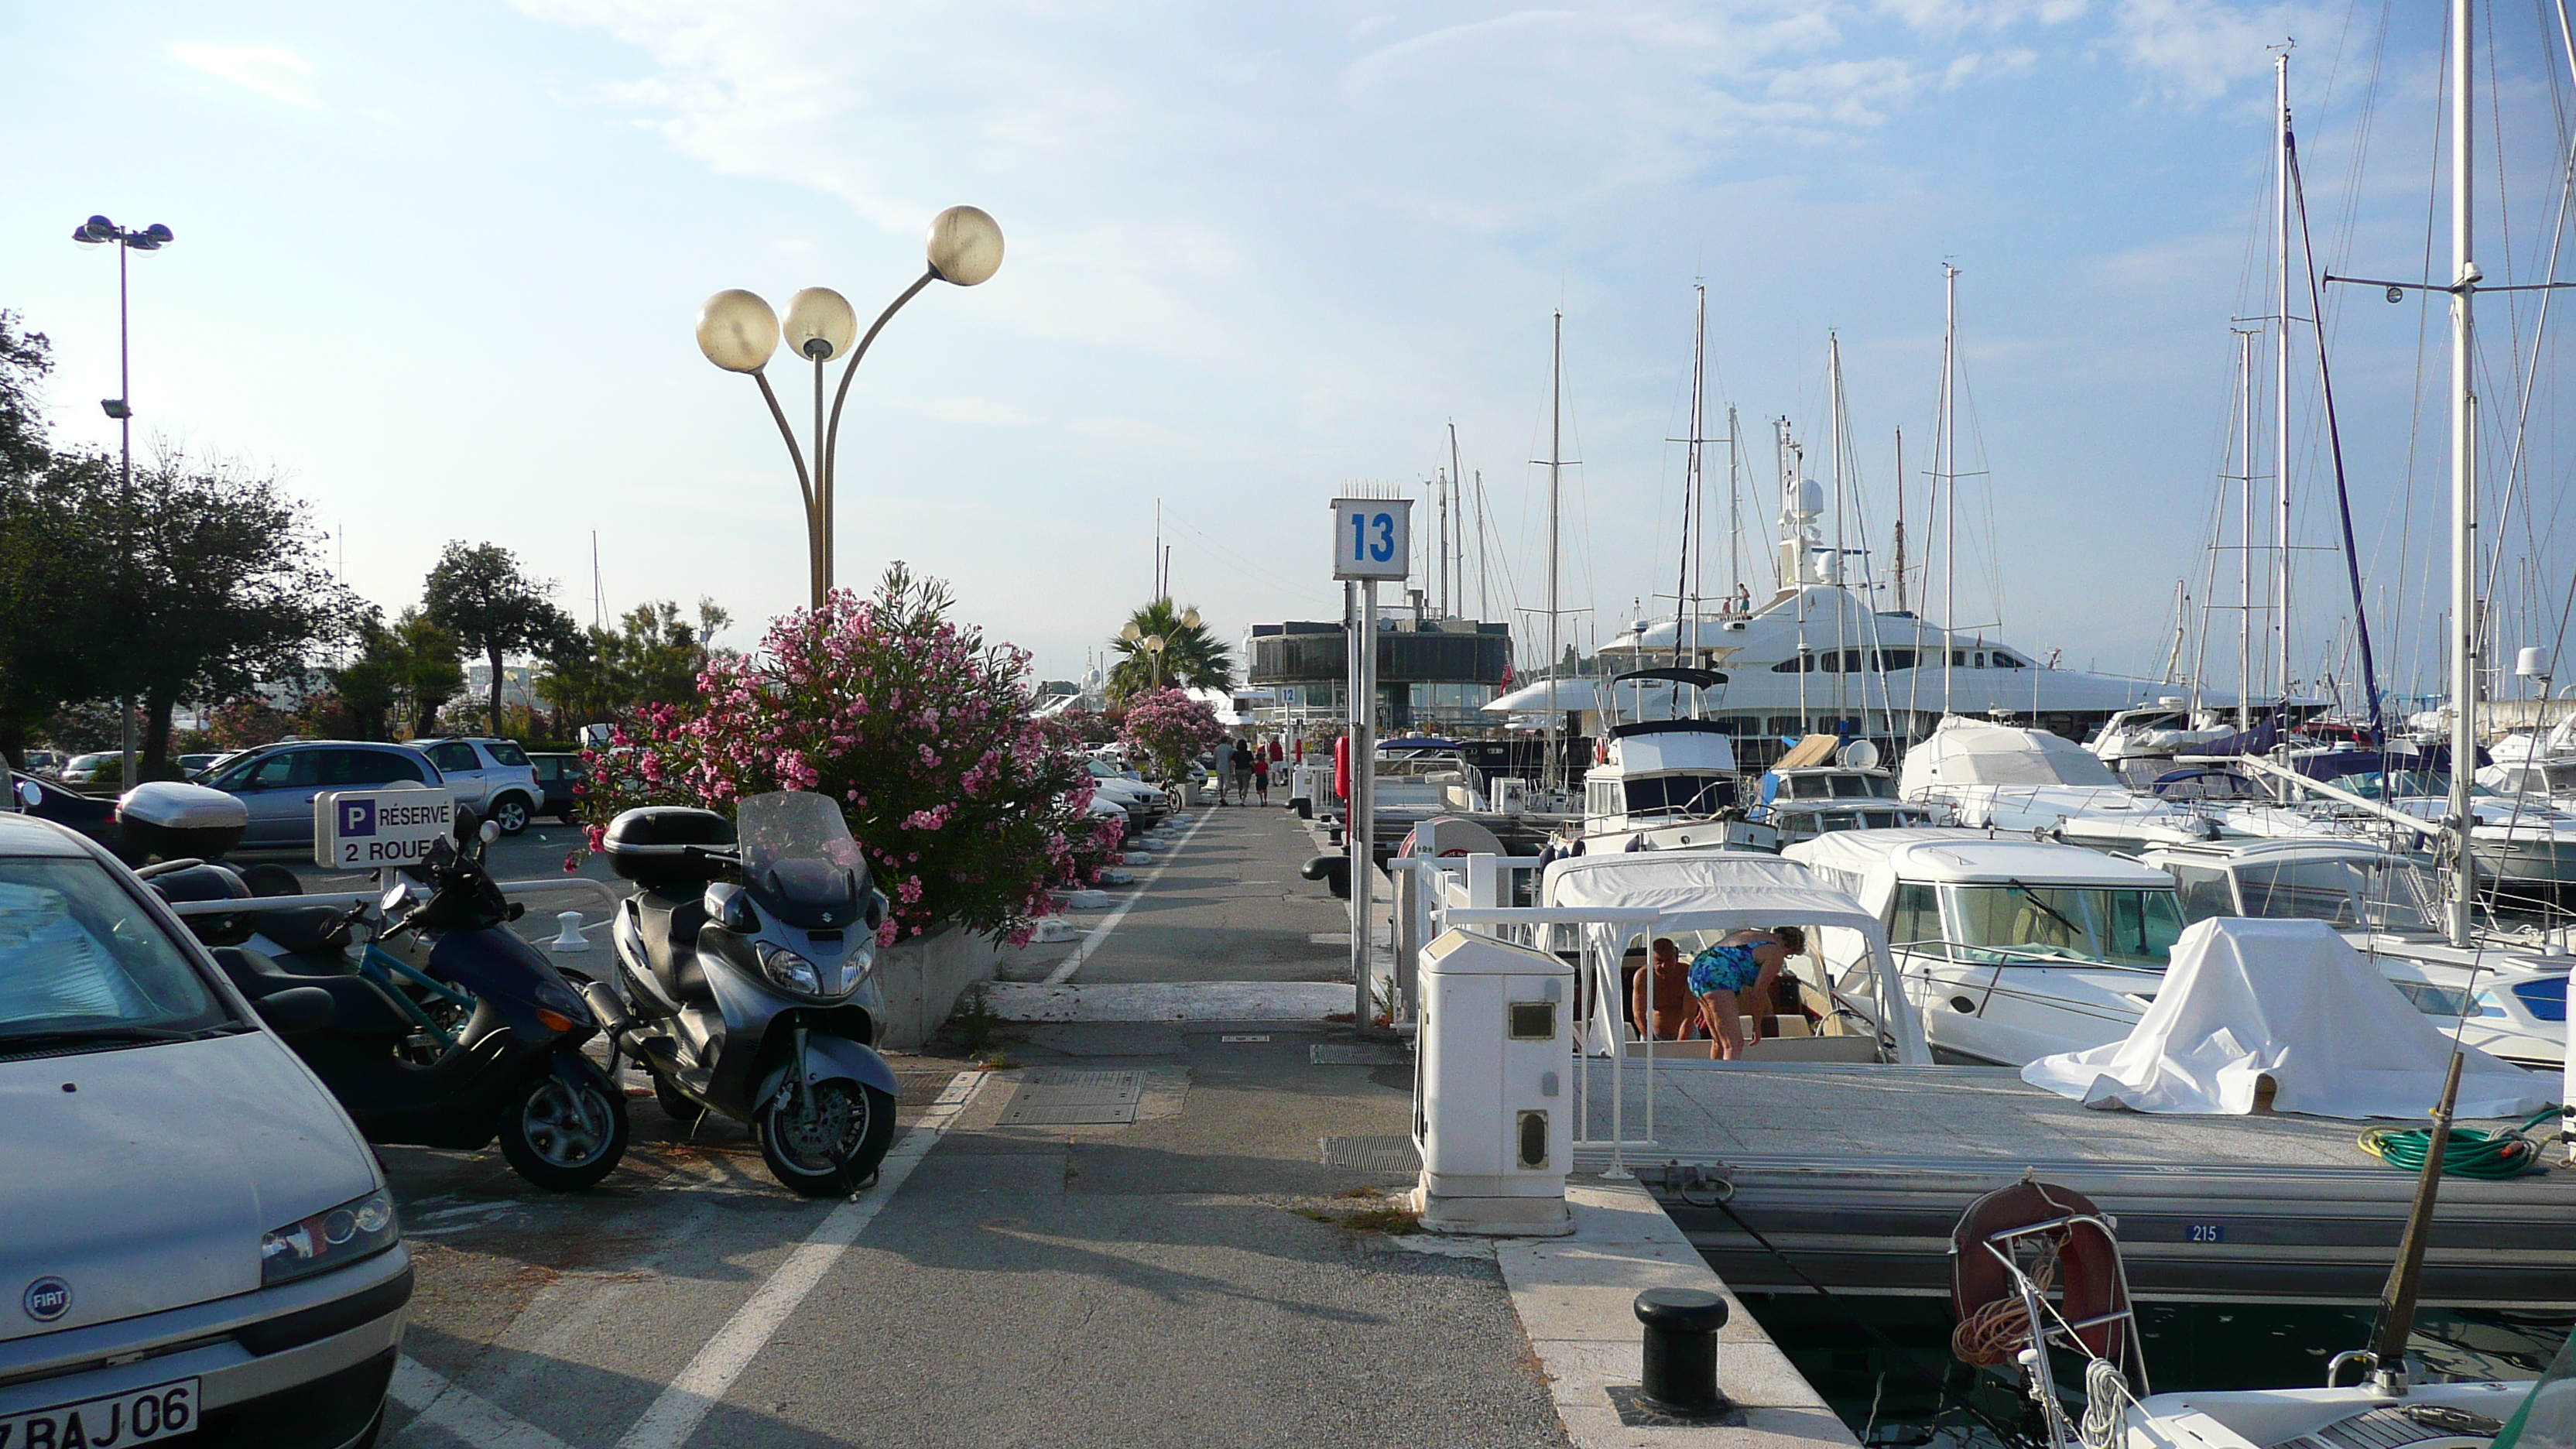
(484, 1042)
(755, 997)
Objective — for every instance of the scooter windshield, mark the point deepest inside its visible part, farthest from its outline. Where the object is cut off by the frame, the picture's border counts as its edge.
(793, 825)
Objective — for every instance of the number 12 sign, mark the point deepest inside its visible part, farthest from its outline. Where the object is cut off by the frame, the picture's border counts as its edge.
(1372, 538)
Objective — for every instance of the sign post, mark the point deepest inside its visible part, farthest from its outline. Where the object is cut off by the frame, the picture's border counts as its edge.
(1372, 540)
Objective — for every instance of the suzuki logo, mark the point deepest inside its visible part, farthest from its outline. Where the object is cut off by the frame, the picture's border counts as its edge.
(47, 1299)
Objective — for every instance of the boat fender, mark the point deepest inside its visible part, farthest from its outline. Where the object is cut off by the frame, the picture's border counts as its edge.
(2087, 1258)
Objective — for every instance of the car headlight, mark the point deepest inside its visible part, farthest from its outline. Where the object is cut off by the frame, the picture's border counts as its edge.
(790, 970)
(358, 1228)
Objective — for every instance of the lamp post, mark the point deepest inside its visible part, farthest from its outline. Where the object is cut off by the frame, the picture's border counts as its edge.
(1155, 644)
(98, 231)
(738, 332)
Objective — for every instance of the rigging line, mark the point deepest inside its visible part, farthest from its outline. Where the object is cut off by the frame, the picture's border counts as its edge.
(2334, 435)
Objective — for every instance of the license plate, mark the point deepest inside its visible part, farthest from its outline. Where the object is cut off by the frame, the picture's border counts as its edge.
(161, 1412)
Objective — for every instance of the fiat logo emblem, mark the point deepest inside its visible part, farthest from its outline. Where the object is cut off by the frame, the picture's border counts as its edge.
(47, 1299)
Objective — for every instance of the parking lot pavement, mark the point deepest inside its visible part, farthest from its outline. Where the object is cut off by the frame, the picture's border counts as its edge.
(1154, 1283)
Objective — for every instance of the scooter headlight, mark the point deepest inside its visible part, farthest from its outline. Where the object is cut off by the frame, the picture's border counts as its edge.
(790, 971)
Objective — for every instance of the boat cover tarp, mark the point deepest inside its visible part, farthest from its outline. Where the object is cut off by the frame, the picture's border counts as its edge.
(2290, 1000)
(1695, 890)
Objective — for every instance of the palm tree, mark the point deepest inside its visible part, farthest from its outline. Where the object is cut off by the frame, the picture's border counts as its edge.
(1163, 644)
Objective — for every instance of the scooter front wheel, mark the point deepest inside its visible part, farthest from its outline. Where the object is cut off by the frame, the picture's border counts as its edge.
(562, 1138)
(830, 1143)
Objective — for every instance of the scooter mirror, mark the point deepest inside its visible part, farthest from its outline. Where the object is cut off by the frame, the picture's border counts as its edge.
(29, 795)
(490, 832)
(397, 896)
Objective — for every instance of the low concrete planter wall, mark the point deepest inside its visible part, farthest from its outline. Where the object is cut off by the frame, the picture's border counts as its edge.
(922, 978)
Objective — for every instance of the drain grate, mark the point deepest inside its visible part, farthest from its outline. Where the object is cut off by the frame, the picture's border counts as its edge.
(1376, 1156)
(1066, 1097)
(1358, 1054)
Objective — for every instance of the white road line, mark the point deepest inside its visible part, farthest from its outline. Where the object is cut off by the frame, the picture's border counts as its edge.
(464, 1414)
(676, 1414)
(1064, 969)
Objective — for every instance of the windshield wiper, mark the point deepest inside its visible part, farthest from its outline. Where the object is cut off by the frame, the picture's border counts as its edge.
(2035, 900)
(78, 1036)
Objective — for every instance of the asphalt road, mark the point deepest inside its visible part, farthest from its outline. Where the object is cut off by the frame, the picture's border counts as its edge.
(1189, 1278)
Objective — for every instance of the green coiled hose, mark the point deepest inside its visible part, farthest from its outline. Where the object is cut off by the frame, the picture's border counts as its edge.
(2471, 1152)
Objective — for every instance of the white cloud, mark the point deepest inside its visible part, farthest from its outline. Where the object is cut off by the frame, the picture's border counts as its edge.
(272, 71)
(2197, 49)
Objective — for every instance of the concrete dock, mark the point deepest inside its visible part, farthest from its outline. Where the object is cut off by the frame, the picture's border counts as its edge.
(1857, 1173)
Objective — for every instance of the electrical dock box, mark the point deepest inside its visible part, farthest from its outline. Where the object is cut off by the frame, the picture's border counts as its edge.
(1492, 1102)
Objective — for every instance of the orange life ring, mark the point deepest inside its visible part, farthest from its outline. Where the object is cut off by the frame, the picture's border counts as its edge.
(2088, 1260)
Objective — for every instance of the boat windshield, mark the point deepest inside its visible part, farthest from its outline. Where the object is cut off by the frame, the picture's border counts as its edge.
(793, 825)
(2119, 926)
(1688, 794)
(2383, 895)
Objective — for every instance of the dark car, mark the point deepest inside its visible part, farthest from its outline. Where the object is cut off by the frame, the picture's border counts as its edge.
(93, 816)
(557, 775)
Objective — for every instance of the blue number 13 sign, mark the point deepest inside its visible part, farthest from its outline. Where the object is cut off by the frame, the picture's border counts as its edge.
(1372, 538)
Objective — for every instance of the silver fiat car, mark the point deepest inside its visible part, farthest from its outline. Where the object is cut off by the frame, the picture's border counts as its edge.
(195, 1244)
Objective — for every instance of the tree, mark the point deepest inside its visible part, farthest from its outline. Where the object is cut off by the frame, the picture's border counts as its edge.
(1191, 654)
(199, 582)
(653, 657)
(478, 593)
(41, 664)
(25, 358)
(1169, 728)
(405, 671)
(965, 810)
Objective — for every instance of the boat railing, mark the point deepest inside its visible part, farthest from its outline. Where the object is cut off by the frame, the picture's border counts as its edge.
(1599, 937)
(2108, 1397)
(1973, 954)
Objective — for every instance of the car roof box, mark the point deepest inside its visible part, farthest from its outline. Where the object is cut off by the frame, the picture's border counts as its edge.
(651, 845)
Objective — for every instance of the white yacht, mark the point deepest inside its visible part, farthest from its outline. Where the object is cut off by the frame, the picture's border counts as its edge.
(2011, 949)
(1666, 773)
(2506, 995)
(2000, 777)
(2140, 744)
(1818, 655)
(1824, 785)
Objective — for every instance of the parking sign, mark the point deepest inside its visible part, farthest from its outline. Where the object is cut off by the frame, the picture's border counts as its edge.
(373, 829)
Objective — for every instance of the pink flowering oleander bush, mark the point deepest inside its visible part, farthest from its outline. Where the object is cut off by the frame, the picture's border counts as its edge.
(1169, 728)
(968, 810)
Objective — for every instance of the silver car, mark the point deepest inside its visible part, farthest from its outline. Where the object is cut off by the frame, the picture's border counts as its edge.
(495, 777)
(278, 783)
(198, 1245)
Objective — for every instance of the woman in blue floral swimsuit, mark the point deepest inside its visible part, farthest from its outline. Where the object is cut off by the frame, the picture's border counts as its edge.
(1722, 974)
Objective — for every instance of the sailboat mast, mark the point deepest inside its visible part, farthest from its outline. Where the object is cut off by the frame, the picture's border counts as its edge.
(1555, 469)
(1698, 459)
(1734, 504)
(1686, 598)
(1458, 480)
(2464, 497)
(2281, 374)
(1945, 447)
(1900, 520)
(2244, 530)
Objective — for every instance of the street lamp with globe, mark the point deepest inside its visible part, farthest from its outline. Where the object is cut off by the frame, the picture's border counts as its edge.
(98, 231)
(1155, 644)
(739, 332)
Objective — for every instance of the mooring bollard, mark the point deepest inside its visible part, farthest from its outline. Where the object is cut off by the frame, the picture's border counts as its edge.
(1681, 1350)
(570, 937)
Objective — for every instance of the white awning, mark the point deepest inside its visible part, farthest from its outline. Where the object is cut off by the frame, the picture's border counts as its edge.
(1694, 890)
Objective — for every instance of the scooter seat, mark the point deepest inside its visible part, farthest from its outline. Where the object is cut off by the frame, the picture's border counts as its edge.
(359, 1007)
(669, 922)
(304, 929)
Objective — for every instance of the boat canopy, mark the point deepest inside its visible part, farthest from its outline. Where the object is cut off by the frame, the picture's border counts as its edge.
(1962, 753)
(2291, 1002)
(1694, 890)
(1696, 678)
(1868, 863)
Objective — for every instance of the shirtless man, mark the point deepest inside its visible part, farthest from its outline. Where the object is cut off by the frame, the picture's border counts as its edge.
(1661, 995)
(1747, 961)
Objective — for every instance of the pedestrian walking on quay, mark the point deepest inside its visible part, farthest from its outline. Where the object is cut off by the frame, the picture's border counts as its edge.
(1261, 776)
(1242, 764)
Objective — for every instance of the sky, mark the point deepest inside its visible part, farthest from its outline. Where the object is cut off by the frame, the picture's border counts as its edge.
(437, 268)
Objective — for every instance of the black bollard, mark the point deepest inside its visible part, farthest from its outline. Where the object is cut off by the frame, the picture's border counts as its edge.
(1681, 1351)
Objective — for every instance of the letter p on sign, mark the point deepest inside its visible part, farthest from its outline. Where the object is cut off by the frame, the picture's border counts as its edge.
(357, 817)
